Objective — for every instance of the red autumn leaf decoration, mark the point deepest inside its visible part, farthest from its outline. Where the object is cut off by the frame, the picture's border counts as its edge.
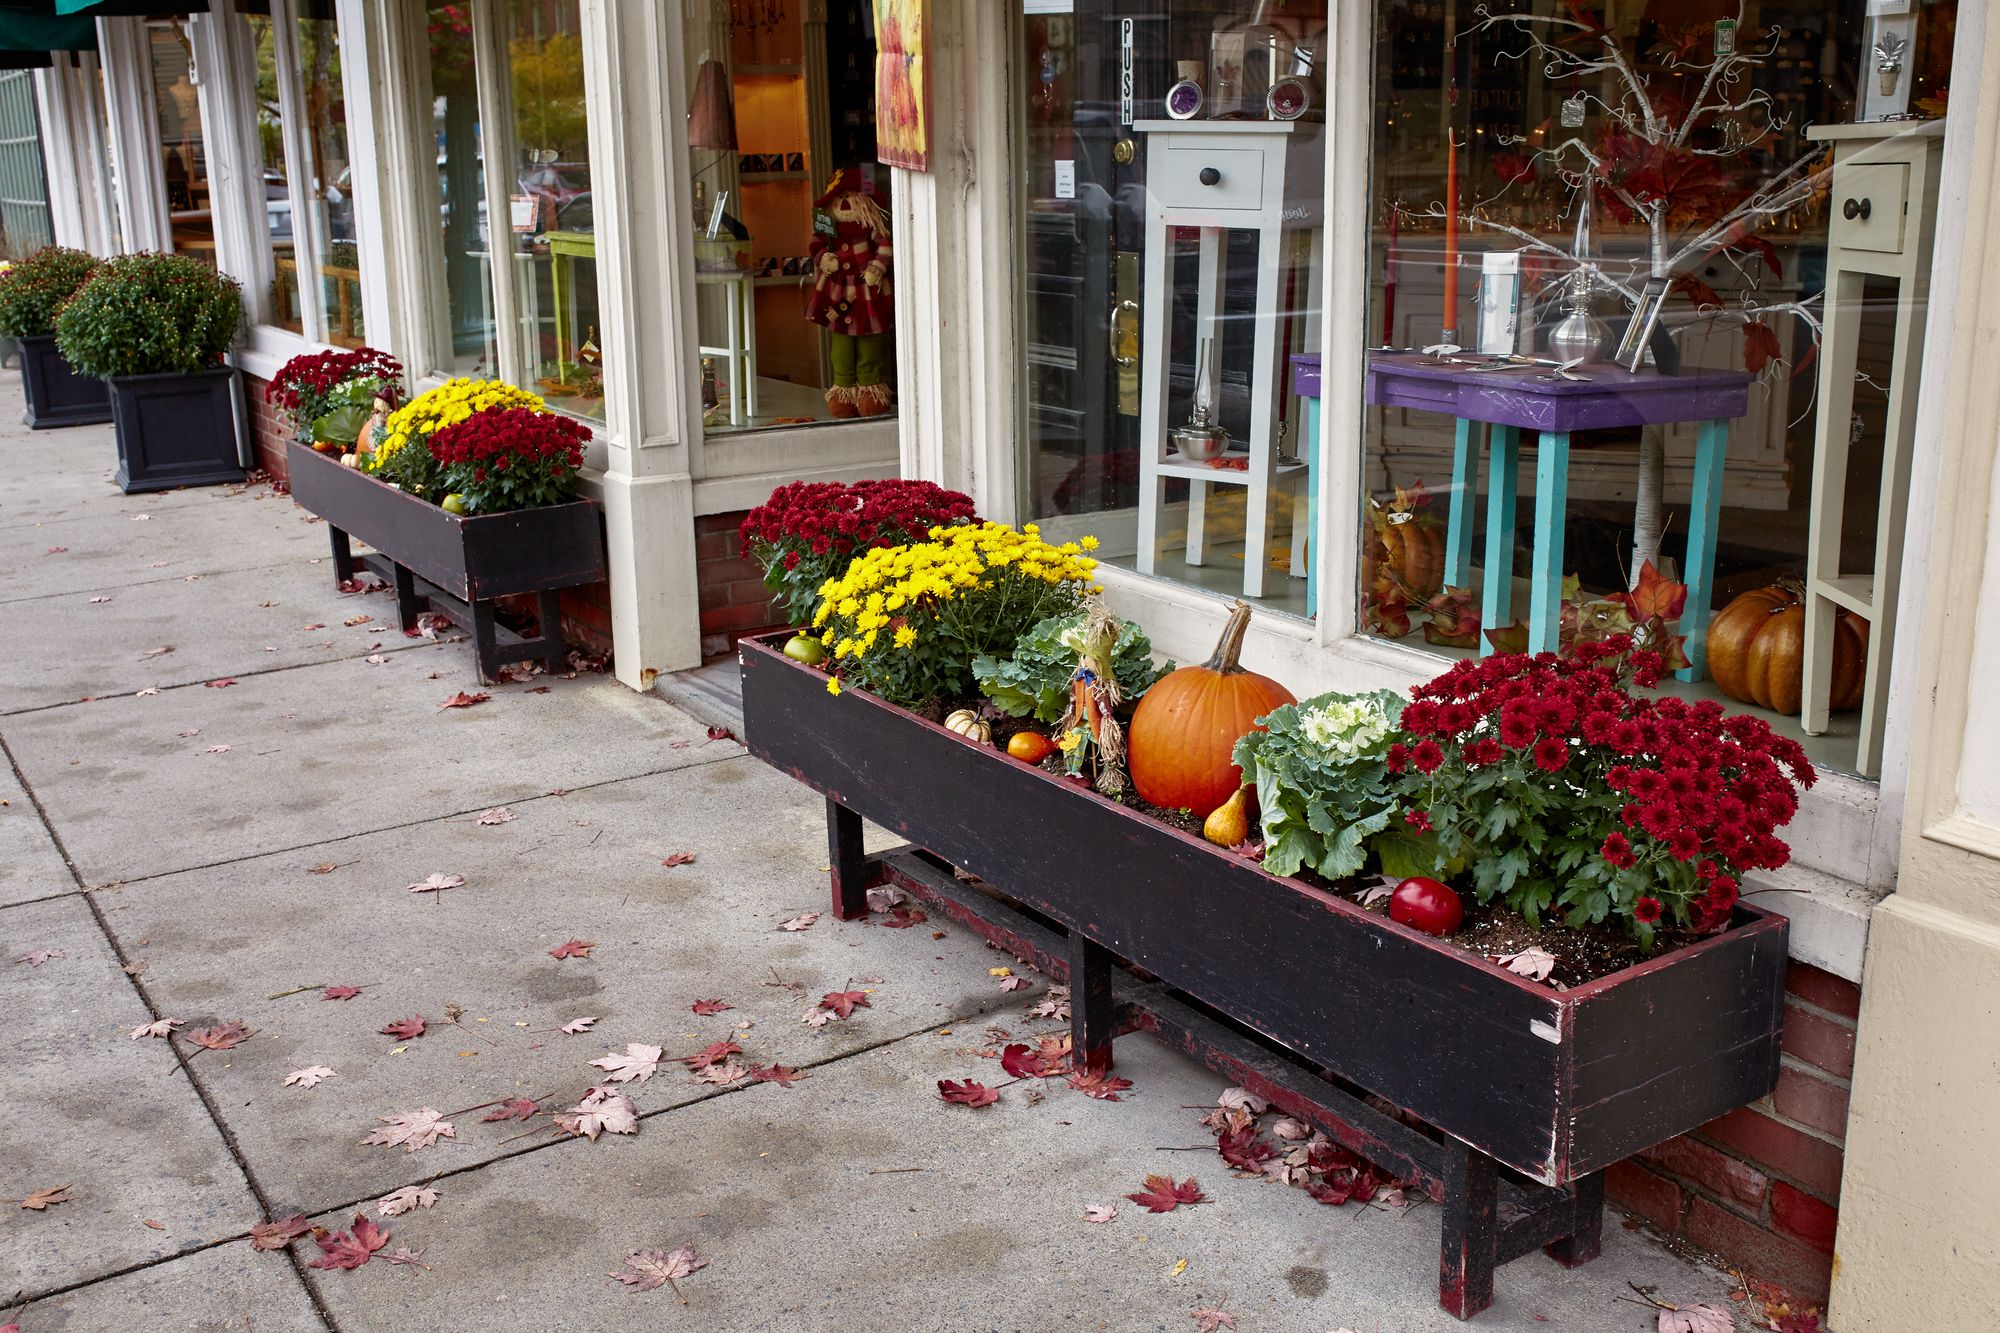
(967, 1093)
(845, 1002)
(1760, 346)
(1655, 597)
(1161, 1195)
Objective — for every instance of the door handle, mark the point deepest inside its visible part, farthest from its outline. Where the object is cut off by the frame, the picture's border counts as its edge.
(1856, 208)
(1125, 333)
(1210, 176)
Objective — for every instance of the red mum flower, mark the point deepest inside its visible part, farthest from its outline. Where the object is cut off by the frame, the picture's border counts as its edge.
(1646, 911)
(1427, 757)
(1551, 753)
(1617, 851)
(1418, 820)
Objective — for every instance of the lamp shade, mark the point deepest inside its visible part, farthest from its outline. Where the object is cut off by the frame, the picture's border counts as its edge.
(712, 115)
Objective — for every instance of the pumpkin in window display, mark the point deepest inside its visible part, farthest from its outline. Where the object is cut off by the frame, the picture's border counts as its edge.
(1757, 647)
(1404, 548)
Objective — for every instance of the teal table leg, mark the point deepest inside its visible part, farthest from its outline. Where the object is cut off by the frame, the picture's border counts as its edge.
(1312, 507)
(1704, 514)
(1496, 607)
(1551, 509)
(1464, 481)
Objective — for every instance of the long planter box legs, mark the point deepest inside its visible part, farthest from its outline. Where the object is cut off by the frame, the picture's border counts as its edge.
(1514, 1083)
(457, 564)
(55, 394)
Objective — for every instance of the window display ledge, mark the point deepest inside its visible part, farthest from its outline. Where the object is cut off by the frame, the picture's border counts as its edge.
(267, 348)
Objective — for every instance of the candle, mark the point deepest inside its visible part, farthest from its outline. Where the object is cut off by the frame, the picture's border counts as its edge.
(1451, 238)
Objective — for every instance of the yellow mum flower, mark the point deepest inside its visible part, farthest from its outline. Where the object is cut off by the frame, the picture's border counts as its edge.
(833, 685)
(1088, 543)
(905, 637)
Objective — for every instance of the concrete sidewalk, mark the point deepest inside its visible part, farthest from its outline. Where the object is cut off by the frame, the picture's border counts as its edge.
(175, 847)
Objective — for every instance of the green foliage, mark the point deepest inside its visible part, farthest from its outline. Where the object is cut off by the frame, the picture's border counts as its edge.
(1323, 785)
(1035, 681)
(34, 290)
(348, 408)
(149, 314)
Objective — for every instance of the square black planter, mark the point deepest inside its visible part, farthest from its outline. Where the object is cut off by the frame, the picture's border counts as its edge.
(176, 430)
(57, 395)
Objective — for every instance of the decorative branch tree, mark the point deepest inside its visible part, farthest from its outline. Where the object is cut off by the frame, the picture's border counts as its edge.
(1658, 158)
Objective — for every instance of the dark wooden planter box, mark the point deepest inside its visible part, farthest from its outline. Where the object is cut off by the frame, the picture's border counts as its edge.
(1552, 1085)
(56, 395)
(464, 560)
(176, 430)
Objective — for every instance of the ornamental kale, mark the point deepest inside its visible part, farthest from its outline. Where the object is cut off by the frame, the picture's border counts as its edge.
(1323, 783)
(1036, 679)
(1561, 789)
(809, 531)
(330, 395)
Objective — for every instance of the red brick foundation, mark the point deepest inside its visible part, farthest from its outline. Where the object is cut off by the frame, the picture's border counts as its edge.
(1760, 1187)
(269, 431)
(734, 601)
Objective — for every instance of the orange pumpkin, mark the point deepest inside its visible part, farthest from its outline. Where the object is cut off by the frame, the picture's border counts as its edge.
(1187, 725)
(1757, 645)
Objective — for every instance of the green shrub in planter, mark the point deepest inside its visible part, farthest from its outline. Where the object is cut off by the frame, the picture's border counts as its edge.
(149, 314)
(33, 290)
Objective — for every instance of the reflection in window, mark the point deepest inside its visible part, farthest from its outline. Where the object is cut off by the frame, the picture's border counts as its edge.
(1171, 247)
(275, 192)
(468, 327)
(183, 156)
(1639, 214)
(329, 181)
(795, 264)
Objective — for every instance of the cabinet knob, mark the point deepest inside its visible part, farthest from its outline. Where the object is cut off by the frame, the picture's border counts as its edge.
(1856, 208)
(1210, 176)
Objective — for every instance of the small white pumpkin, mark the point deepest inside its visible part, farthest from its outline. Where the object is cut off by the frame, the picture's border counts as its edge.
(969, 725)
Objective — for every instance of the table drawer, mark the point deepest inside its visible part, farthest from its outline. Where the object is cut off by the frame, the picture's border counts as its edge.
(1880, 188)
(1239, 178)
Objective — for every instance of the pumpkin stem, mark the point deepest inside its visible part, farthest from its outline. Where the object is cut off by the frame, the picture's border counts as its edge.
(1229, 647)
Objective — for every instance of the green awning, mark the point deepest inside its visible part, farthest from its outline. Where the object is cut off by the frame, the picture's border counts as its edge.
(46, 32)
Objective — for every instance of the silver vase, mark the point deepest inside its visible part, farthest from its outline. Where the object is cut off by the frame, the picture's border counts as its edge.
(1580, 336)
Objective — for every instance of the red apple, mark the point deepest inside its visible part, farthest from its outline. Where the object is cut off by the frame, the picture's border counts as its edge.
(1426, 904)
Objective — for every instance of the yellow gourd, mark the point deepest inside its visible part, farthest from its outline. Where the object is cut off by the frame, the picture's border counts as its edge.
(1228, 825)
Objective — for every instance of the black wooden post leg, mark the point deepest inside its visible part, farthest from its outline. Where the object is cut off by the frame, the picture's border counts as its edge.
(1587, 1240)
(343, 554)
(1093, 1014)
(548, 611)
(408, 604)
(486, 639)
(850, 867)
(1470, 1245)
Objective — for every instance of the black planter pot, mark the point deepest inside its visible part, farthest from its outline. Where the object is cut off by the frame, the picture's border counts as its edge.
(57, 395)
(176, 430)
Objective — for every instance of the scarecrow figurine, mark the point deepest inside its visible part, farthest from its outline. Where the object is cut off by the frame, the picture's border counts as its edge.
(1091, 737)
(851, 294)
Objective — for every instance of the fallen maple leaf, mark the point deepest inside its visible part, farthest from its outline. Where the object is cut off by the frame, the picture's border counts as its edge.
(406, 1198)
(646, 1270)
(325, 868)
(1208, 1320)
(1698, 1318)
(1022, 1061)
(1374, 893)
(905, 917)
(1242, 1099)
(411, 1130)
(222, 684)
(437, 882)
(404, 1029)
(405, 1255)
(799, 922)
(1243, 1149)
(573, 949)
(40, 1200)
(712, 1054)
(222, 1037)
(279, 1232)
(725, 1073)
(1104, 1087)
(218, 749)
(36, 957)
(1099, 1213)
(601, 1111)
(721, 734)
(1534, 963)
(577, 1025)
(1054, 1005)
(967, 1093)
(639, 1062)
(844, 1002)
(339, 993)
(1292, 1130)
(464, 700)
(376, 659)
(343, 1250)
(99, 601)
(1161, 1195)
(160, 651)
(710, 1006)
(884, 897)
(515, 1108)
(309, 1077)
(1015, 983)
(499, 814)
(779, 1074)
(151, 691)
(816, 1017)
(310, 628)
(159, 1027)
(352, 621)
(678, 859)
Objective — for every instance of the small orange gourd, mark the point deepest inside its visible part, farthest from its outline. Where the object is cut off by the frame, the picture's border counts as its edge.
(1187, 725)
(1030, 747)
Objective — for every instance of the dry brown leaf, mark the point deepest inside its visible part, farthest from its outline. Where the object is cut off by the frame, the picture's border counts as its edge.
(36, 957)
(638, 1062)
(159, 1027)
(646, 1270)
(437, 882)
(577, 1025)
(411, 1130)
(1099, 1213)
(799, 922)
(309, 1077)
(406, 1198)
(40, 1200)
(602, 1111)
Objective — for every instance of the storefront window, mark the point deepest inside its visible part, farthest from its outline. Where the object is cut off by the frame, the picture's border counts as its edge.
(795, 264)
(329, 180)
(1600, 310)
(1174, 167)
(183, 157)
(468, 333)
(276, 192)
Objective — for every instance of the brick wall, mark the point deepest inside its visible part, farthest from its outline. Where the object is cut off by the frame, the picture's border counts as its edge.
(269, 431)
(1761, 1186)
(734, 601)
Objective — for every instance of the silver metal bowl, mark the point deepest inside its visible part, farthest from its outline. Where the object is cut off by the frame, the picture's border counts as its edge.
(1200, 444)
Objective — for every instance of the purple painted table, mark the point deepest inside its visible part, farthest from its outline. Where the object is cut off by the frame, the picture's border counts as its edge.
(1507, 402)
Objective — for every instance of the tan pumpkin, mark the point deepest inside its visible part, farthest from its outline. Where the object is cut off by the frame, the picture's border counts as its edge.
(969, 725)
(1186, 727)
(1757, 646)
(1403, 550)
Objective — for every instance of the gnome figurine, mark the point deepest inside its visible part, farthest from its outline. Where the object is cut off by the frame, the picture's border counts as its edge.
(851, 294)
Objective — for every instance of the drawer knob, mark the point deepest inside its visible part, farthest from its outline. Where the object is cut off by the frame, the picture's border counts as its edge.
(1856, 208)
(1210, 176)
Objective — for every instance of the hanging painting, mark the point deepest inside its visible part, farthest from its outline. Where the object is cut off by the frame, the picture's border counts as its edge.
(902, 84)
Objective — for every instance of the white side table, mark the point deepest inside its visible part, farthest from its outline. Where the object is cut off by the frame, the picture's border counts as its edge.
(739, 301)
(1222, 176)
(1883, 214)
